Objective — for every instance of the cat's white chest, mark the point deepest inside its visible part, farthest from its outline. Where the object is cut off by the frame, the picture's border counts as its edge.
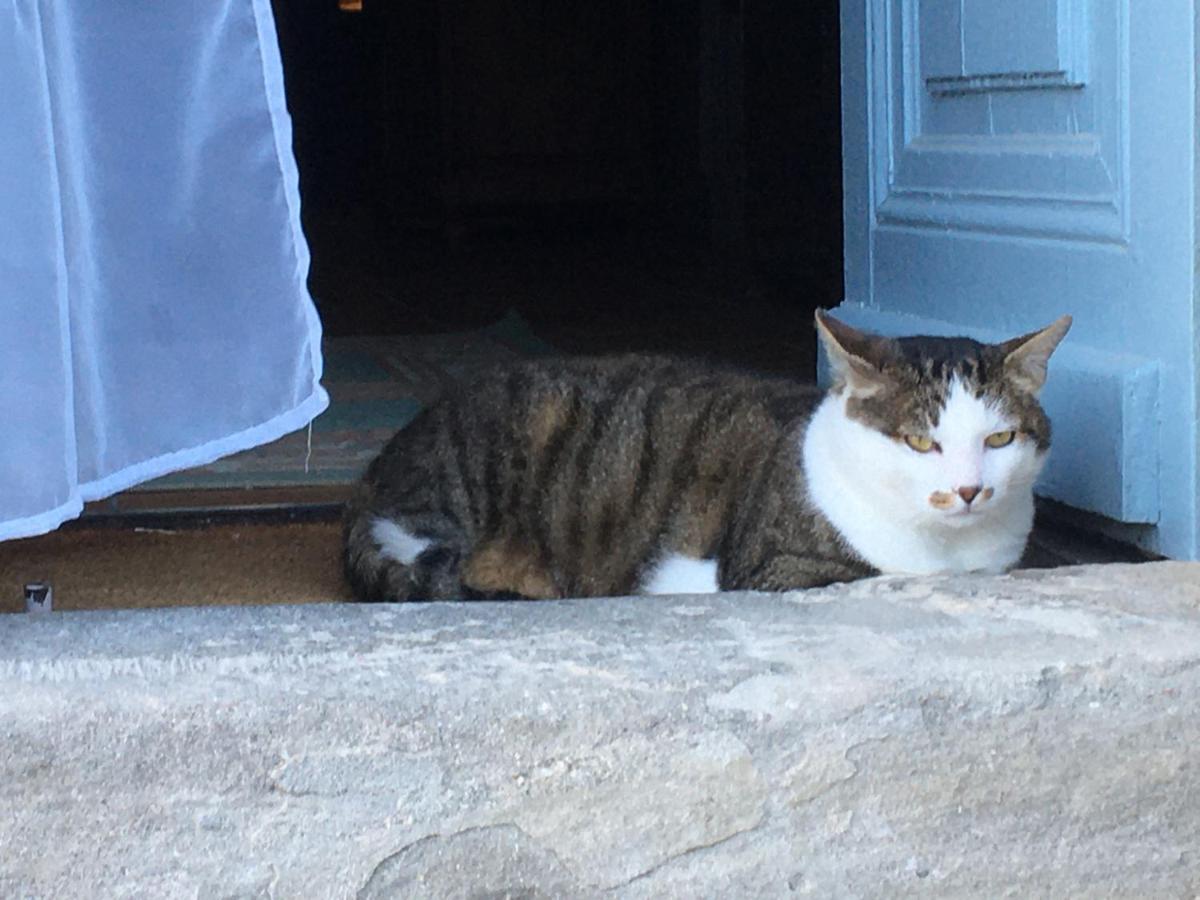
(856, 479)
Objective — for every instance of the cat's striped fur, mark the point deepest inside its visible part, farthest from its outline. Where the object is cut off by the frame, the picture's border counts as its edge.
(577, 477)
(573, 478)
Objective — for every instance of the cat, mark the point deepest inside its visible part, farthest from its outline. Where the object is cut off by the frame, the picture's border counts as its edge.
(649, 475)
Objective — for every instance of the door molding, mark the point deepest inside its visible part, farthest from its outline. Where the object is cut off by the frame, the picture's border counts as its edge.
(1024, 152)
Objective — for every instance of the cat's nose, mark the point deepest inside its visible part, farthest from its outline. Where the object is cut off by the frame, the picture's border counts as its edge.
(969, 493)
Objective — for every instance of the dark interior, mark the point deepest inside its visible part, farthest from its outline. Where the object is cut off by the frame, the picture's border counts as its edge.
(660, 176)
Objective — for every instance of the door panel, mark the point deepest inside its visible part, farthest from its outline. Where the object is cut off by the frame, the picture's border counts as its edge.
(1023, 144)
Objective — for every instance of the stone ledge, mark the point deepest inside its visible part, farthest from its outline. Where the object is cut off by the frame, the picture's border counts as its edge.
(1032, 734)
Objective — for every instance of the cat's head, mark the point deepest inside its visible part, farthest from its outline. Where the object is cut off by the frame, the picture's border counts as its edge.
(953, 428)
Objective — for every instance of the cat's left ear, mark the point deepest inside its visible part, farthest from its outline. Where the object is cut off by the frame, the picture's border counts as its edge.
(1025, 357)
(856, 356)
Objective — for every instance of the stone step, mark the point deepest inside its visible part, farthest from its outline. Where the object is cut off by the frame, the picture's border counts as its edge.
(1027, 735)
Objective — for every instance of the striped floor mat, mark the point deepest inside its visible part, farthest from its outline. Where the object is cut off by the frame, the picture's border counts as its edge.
(376, 385)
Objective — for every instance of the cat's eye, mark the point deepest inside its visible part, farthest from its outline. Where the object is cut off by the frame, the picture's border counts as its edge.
(920, 442)
(1000, 439)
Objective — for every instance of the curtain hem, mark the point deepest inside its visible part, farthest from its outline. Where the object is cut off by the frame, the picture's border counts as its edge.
(263, 433)
(273, 429)
(43, 522)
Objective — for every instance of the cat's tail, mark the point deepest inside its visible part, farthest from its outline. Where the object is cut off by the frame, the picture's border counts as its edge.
(384, 561)
(372, 576)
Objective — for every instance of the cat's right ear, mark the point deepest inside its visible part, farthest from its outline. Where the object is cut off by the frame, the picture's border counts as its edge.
(856, 356)
(1025, 357)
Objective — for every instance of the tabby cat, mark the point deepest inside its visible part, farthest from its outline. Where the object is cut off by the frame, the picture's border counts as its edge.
(637, 474)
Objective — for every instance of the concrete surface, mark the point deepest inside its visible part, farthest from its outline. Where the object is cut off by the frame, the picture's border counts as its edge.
(1032, 735)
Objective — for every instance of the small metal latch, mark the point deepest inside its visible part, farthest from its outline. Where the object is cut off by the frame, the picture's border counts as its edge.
(39, 597)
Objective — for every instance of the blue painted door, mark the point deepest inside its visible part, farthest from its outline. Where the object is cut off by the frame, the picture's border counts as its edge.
(1008, 162)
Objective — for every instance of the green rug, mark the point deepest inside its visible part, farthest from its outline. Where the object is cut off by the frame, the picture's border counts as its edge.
(376, 385)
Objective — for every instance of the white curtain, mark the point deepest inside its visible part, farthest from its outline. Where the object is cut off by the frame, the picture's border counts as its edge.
(153, 308)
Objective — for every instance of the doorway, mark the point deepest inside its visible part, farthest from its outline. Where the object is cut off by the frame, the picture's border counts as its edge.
(623, 176)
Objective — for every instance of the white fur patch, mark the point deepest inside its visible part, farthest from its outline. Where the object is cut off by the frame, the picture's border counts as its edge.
(676, 574)
(878, 493)
(395, 543)
(962, 426)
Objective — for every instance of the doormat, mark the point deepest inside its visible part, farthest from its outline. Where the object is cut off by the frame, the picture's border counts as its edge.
(376, 386)
(216, 565)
